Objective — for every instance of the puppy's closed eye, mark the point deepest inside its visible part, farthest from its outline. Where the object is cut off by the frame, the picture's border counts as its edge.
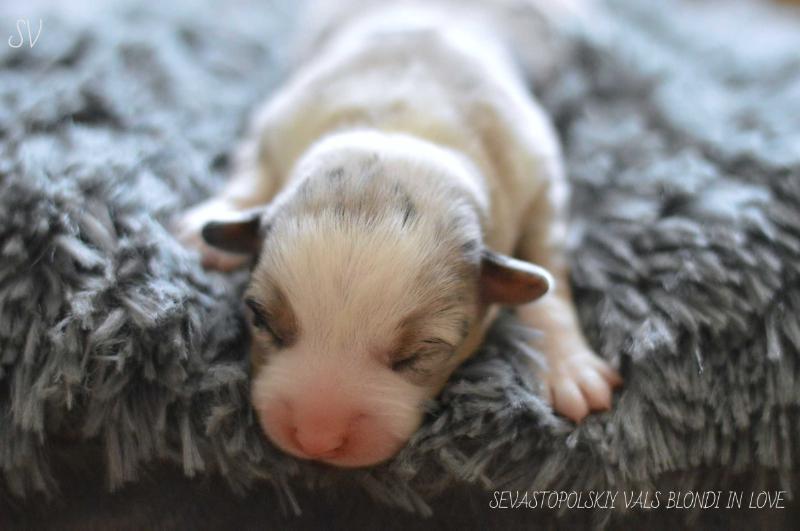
(406, 363)
(260, 319)
(428, 352)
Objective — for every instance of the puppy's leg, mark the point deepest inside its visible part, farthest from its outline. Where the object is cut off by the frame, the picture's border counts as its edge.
(250, 186)
(578, 381)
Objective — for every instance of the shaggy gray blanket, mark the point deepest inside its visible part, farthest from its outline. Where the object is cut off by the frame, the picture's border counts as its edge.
(681, 127)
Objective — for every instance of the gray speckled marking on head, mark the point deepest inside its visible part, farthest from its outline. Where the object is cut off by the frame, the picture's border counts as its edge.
(336, 174)
(407, 206)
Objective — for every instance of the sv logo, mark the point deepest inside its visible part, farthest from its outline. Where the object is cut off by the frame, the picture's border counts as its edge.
(25, 23)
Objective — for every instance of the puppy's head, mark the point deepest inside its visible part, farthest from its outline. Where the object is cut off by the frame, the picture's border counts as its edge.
(366, 293)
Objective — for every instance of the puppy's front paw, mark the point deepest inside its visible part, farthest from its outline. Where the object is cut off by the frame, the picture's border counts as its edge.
(188, 228)
(579, 383)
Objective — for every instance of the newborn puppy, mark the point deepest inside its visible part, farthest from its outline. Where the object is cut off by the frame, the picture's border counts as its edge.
(379, 198)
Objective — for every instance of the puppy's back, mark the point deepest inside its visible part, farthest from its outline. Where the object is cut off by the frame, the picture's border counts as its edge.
(532, 31)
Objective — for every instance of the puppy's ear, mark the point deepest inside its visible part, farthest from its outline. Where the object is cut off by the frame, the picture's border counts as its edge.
(506, 280)
(241, 234)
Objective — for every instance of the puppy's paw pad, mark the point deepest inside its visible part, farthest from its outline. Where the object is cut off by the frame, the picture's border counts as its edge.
(188, 226)
(220, 261)
(581, 383)
(188, 229)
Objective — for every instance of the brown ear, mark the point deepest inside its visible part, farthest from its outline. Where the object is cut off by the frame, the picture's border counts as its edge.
(241, 234)
(506, 280)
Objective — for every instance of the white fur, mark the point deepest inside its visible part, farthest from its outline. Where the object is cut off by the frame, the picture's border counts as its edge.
(351, 284)
(420, 96)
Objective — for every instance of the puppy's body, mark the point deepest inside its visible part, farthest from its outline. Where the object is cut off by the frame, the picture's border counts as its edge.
(428, 73)
(395, 164)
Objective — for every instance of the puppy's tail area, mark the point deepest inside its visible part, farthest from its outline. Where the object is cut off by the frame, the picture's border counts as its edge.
(536, 33)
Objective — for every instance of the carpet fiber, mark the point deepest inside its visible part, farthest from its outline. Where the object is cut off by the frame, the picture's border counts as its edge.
(681, 127)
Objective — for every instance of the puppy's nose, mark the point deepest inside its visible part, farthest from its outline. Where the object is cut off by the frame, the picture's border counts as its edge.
(319, 441)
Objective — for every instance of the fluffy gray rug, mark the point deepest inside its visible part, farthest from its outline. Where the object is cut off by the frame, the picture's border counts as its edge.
(681, 125)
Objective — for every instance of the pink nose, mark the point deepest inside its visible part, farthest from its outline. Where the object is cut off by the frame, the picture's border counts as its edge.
(318, 441)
